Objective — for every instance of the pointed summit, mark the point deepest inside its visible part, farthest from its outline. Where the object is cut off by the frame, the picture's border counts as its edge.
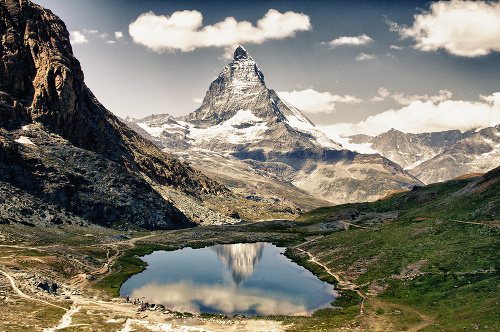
(241, 53)
(239, 98)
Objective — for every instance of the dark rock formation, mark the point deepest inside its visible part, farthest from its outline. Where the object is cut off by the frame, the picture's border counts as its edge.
(76, 154)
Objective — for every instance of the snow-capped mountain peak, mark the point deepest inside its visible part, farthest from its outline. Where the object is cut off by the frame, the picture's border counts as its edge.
(240, 88)
(238, 109)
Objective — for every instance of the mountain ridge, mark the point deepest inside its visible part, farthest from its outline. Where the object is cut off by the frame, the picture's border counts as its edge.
(437, 156)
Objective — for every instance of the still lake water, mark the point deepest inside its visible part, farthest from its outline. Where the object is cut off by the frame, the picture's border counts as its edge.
(242, 278)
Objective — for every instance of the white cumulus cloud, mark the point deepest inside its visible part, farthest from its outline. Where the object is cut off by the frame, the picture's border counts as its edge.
(77, 37)
(463, 28)
(183, 30)
(118, 34)
(427, 116)
(311, 101)
(365, 57)
(359, 40)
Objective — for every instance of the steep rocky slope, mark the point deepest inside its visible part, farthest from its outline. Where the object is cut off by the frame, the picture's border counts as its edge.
(60, 145)
(243, 121)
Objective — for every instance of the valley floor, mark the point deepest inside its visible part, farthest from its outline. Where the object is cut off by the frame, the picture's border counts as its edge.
(64, 278)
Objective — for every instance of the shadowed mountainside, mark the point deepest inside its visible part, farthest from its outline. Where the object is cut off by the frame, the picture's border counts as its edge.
(59, 144)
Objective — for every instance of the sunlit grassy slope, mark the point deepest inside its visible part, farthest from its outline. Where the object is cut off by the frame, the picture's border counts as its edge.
(435, 249)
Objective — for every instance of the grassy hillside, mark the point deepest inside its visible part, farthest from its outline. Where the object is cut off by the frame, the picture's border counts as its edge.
(433, 250)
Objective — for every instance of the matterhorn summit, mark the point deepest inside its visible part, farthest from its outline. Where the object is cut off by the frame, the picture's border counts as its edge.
(240, 107)
(247, 137)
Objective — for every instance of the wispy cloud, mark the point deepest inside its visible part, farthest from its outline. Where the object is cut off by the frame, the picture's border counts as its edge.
(429, 115)
(396, 47)
(77, 37)
(82, 37)
(365, 57)
(183, 30)
(383, 93)
(406, 99)
(463, 28)
(359, 40)
(314, 102)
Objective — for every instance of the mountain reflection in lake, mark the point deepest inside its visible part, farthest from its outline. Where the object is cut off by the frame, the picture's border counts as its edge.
(249, 279)
(240, 258)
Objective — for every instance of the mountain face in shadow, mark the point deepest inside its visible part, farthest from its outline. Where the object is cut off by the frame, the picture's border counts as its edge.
(62, 148)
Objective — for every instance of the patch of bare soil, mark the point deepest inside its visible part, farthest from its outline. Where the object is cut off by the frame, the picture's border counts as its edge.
(384, 316)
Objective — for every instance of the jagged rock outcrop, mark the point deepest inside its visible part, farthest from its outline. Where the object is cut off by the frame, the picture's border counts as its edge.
(74, 149)
(248, 126)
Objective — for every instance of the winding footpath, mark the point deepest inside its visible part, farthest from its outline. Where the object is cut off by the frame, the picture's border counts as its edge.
(20, 293)
(65, 319)
(426, 320)
(343, 283)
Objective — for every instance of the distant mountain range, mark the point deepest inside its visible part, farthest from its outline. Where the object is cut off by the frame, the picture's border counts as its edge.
(439, 156)
(247, 137)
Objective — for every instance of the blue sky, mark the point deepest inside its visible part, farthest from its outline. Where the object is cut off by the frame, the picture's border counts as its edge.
(352, 67)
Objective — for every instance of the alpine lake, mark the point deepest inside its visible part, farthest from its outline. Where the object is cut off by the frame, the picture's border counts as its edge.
(243, 278)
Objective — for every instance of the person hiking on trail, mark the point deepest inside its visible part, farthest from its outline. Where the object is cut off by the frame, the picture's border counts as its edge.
(127, 299)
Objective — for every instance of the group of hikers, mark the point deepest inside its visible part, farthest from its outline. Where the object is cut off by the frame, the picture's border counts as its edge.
(142, 305)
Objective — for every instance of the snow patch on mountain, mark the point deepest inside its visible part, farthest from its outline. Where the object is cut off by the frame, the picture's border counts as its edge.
(24, 140)
(244, 127)
(298, 121)
(320, 137)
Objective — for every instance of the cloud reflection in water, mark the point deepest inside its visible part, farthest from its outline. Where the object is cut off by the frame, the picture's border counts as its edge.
(185, 296)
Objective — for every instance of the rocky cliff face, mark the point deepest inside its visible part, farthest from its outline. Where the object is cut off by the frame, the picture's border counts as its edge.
(257, 132)
(42, 85)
